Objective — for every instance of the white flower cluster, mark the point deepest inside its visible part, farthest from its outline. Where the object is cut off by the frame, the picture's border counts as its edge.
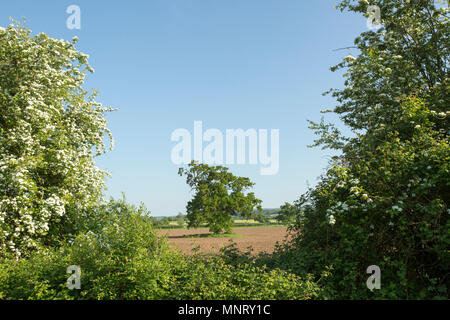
(50, 132)
(440, 114)
(347, 182)
(349, 58)
(331, 219)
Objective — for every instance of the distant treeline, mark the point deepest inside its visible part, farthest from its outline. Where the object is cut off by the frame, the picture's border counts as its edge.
(266, 216)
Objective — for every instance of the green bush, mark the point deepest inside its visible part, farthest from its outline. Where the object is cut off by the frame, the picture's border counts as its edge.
(213, 278)
(121, 257)
(385, 198)
(386, 204)
(50, 134)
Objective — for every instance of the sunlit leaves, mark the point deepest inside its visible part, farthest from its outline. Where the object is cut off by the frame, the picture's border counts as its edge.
(51, 130)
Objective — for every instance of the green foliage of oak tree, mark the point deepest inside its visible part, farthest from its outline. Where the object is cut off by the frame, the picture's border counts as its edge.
(218, 195)
(50, 131)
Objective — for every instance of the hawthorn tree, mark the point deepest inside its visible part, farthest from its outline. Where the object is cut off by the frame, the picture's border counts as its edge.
(408, 54)
(50, 131)
(218, 195)
(385, 200)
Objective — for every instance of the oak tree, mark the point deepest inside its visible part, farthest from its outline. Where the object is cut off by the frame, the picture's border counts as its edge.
(218, 195)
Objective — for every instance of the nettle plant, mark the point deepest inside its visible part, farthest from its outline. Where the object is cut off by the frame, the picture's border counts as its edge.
(50, 131)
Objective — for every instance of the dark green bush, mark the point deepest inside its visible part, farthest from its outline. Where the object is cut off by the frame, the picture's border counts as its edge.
(386, 203)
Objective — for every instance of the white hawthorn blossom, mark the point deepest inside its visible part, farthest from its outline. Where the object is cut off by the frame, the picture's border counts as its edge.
(349, 58)
(50, 131)
(331, 219)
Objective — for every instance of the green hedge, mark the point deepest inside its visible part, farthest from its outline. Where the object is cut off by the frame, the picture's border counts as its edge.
(122, 258)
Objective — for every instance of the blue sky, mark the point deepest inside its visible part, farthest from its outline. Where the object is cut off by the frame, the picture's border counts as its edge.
(229, 63)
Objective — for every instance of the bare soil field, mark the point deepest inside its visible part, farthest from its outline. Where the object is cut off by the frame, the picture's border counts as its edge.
(261, 239)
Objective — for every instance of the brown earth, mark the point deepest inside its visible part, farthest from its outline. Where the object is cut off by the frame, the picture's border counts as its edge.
(261, 239)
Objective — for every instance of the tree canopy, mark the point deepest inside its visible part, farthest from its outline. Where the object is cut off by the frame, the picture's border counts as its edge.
(218, 195)
(409, 54)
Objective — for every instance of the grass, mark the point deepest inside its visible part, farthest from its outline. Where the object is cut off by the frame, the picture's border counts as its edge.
(247, 221)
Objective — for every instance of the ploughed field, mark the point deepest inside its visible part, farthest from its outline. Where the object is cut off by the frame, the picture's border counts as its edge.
(261, 239)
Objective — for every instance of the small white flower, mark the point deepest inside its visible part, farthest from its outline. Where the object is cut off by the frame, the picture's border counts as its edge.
(331, 219)
(349, 58)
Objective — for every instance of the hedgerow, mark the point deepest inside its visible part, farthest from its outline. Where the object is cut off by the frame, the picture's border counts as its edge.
(123, 258)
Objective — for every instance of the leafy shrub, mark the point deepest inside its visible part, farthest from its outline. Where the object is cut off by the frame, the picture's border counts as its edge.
(51, 129)
(213, 278)
(385, 204)
(122, 258)
(119, 258)
(385, 199)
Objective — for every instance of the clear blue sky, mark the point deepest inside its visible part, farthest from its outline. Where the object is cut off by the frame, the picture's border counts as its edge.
(229, 63)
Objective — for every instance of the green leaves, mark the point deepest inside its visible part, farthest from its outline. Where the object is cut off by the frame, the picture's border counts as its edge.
(122, 258)
(218, 195)
(389, 197)
(409, 54)
(50, 131)
(385, 199)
